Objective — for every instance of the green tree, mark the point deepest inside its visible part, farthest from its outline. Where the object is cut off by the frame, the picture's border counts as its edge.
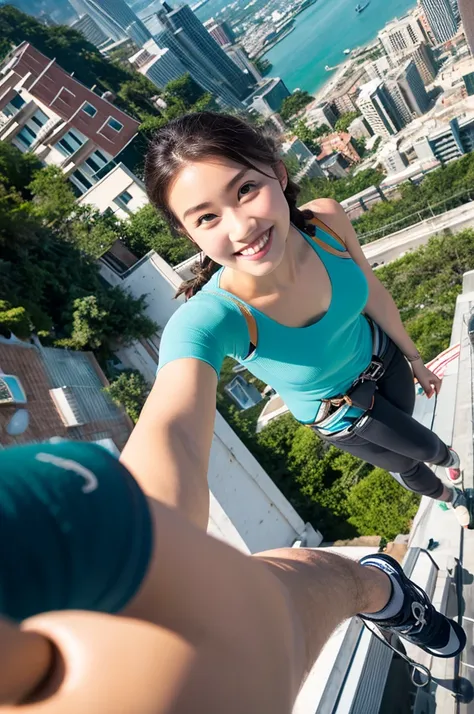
(294, 103)
(346, 120)
(54, 199)
(129, 390)
(308, 136)
(14, 319)
(184, 90)
(263, 66)
(17, 169)
(147, 230)
(378, 505)
(106, 319)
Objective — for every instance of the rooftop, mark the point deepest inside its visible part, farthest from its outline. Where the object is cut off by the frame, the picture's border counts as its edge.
(368, 89)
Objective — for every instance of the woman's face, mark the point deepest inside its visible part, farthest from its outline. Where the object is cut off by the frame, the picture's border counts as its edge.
(239, 217)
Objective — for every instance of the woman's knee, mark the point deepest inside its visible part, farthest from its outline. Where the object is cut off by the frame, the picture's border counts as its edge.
(420, 479)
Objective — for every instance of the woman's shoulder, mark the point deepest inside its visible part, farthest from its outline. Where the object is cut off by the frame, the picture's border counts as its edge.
(329, 213)
(208, 315)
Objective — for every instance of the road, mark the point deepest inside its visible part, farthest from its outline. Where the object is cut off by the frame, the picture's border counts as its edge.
(397, 244)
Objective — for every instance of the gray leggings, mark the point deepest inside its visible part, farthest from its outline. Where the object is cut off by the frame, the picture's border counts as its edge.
(391, 438)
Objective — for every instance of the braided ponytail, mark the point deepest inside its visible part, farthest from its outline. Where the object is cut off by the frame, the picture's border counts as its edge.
(204, 270)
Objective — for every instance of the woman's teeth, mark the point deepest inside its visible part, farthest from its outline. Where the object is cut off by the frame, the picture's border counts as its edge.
(257, 247)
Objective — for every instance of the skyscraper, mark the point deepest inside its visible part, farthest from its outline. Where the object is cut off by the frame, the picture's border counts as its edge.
(90, 29)
(413, 89)
(220, 31)
(379, 109)
(440, 16)
(400, 35)
(115, 19)
(198, 39)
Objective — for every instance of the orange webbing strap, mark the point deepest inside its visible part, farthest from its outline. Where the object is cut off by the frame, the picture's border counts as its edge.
(248, 317)
(328, 248)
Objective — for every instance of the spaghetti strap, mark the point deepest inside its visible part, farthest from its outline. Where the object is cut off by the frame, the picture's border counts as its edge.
(328, 248)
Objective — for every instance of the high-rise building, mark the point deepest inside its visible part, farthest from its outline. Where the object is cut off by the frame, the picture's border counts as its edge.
(319, 114)
(466, 8)
(198, 40)
(380, 67)
(422, 56)
(398, 98)
(400, 35)
(202, 75)
(91, 30)
(160, 68)
(378, 108)
(424, 25)
(115, 19)
(440, 16)
(413, 89)
(220, 31)
(268, 98)
(239, 56)
(469, 83)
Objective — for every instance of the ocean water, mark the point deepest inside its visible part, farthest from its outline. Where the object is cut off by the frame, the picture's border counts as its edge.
(322, 33)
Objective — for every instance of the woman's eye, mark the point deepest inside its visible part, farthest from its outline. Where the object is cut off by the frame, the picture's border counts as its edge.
(247, 188)
(206, 218)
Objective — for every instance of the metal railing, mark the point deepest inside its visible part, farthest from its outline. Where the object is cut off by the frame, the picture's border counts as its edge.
(431, 211)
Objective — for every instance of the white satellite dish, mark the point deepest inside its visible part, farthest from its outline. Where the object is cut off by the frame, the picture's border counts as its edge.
(19, 423)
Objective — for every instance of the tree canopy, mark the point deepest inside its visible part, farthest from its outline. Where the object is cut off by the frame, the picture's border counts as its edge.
(49, 279)
(294, 103)
(130, 390)
(346, 120)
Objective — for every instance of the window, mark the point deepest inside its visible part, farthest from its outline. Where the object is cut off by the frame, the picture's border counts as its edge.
(89, 109)
(84, 182)
(26, 136)
(38, 119)
(94, 166)
(126, 197)
(100, 156)
(70, 143)
(11, 390)
(114, 124)
(14, 105)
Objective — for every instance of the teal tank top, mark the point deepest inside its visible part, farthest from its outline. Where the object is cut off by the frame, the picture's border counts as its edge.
(303, 364)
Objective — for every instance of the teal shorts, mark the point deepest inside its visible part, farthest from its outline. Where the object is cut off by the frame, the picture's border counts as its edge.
(75, 530)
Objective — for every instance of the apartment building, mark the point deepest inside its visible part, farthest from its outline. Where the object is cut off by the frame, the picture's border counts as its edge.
(45, 110)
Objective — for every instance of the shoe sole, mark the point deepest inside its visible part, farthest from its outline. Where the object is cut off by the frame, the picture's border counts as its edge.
(455, 481)
(459, 632)
(463, 516)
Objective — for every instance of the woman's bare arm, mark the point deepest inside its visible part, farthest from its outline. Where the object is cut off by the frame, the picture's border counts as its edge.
(168, 451)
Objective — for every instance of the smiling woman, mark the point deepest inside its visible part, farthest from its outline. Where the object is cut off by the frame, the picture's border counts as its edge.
(289, 294)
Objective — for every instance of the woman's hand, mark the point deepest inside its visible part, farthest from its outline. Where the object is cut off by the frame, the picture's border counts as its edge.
(428, 380)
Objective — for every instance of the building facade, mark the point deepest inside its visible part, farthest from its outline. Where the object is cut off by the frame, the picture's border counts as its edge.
(119, 192)
(63, 397)
(378, 108)
(440, 16)
(423, 57)
(193, 33)
(161, 68)
(268, 97)
(91, 30)
(400, 35)
(220, 31)
(413, 89)
(238, 55)
(320, 114)
(115, 18)
(379, 68)
(45, 110)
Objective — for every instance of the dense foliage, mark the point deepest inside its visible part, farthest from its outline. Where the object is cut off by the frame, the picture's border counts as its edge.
(294, 103)
(346, 120)
(436, 194)
(339, 189)
(49, 279)
(130, 390)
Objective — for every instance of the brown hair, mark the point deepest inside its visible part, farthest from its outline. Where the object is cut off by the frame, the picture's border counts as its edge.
(200, 136)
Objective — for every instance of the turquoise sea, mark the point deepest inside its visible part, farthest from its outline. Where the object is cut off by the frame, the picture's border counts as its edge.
(322, 33)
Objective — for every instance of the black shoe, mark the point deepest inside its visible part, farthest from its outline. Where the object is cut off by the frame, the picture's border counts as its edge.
(418, 621)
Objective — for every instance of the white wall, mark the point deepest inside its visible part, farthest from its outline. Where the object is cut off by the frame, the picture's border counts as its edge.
(105, 191)
(247, 509)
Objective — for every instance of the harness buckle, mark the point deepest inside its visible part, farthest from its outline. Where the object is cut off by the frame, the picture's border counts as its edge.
(374, 371)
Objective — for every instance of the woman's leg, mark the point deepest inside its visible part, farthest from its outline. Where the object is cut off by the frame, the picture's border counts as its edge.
(392, 439)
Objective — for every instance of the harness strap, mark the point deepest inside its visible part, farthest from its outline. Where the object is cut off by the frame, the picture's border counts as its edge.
(247, 313)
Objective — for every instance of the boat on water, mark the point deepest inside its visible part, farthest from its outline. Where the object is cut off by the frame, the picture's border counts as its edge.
(347, 52)
(360, 8)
